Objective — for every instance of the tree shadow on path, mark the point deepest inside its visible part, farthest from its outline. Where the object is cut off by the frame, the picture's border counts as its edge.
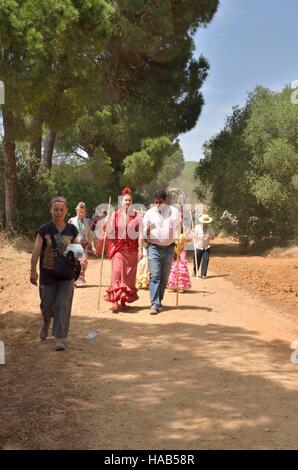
(144, 385)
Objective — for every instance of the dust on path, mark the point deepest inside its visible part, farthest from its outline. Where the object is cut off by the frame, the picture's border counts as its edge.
(214, 373)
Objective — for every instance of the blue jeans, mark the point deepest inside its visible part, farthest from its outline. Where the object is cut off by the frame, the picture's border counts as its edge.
(160, 260)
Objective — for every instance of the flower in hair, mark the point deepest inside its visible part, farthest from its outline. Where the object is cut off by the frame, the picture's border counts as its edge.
(126, 191)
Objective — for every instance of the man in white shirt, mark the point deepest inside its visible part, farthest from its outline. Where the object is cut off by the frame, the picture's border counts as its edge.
(203, 235)
(161, 229)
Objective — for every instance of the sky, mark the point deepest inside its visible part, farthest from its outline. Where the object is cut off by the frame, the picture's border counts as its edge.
(248, 43)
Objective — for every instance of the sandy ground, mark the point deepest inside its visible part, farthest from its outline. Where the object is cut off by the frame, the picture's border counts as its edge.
(212, 373)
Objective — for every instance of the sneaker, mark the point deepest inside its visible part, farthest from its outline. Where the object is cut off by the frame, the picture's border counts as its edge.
(44, 330)
(154, 310)
(59, 345)
(160, 308)
(204, 277)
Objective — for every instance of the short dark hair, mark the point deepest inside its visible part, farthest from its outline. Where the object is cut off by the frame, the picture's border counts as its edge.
(160, 193)
(58, 199)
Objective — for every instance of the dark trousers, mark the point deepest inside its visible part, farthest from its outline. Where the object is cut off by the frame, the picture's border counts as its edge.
(202, 255)
(56, 301)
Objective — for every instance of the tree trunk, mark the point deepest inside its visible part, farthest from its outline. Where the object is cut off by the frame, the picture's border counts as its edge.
(10, 171)
(36, 140)
(49, 149)
(35, 148)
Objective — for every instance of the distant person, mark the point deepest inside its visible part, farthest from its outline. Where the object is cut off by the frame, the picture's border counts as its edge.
(55, 295)
(93, 220)
(203, 235)
(100, 246)
(82, 223)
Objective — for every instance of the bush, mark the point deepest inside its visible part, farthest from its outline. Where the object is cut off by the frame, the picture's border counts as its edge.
(75, 185)
(251, 169)
(35, 188)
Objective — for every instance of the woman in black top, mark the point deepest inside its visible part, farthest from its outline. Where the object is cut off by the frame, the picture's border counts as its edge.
(55, 295)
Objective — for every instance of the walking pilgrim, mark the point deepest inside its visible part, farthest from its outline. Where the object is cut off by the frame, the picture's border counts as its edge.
(56, 295)
(161, 229)
(82, 224)
(203, 235)
(124, 253)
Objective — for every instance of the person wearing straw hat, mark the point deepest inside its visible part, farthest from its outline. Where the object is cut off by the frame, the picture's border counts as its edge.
(203, 234)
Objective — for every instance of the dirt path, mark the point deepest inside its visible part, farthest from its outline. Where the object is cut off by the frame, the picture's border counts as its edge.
(214, 373)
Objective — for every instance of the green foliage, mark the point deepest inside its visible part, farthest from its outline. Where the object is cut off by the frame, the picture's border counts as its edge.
(154, 166)
(49, 49)
(171, 167)
(139, 169)
(150, 81)
(88, 181)
(35, 190)
(251, 168)
(81, 183)
(268, 192)
(110, 78)
(186, 181)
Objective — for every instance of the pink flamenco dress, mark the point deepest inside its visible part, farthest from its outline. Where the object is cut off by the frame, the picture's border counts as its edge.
(183, 273)
(123, 253)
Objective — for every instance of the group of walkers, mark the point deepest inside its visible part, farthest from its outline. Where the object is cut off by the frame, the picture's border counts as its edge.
(148, 249)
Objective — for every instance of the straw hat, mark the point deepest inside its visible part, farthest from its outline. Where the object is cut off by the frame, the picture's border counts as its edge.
(205, 219)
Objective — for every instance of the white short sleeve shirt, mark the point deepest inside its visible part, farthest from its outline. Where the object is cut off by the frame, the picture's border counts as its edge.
(162, 227)
(202, 241)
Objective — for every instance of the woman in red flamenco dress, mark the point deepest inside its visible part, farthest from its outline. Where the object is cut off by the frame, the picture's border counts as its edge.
(124, 253)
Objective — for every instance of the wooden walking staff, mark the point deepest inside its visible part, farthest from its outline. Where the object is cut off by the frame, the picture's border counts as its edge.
(194, 244)
(177, 280)
(178, 257)
(180, 198)
(102, 255)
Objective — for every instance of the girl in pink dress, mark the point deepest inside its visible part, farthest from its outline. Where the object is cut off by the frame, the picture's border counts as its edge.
(124, 253)
(183, 274)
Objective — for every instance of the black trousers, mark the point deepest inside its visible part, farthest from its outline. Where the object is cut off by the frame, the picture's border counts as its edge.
(202, 256)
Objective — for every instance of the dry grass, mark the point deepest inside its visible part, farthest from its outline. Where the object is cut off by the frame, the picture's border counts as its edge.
(8, 245)
(291, 252)
(229, 245)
